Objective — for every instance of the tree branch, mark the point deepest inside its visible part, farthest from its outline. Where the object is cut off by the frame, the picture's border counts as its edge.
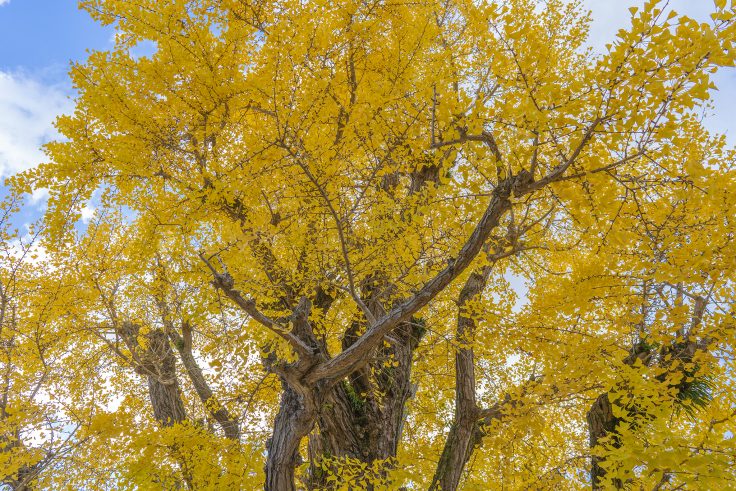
(357, 354)
(225, 282)
(183, 343)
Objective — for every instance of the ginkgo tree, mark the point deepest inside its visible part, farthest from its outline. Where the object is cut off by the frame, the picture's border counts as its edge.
(312, 222)
(37, 432)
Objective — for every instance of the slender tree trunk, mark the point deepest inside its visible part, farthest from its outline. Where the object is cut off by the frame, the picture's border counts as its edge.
(163, 383)
(230, 425)
(465, 431)
(455, 454)
(157, 362)
(602, 422)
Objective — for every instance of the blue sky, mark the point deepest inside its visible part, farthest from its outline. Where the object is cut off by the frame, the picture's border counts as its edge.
(39, 38)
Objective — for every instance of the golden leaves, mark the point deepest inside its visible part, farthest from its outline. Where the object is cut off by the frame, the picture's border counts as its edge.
(344, 151)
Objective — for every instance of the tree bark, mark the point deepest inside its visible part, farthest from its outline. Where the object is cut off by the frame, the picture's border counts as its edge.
(315, 371)
(358, 354)
(295, 419)
(465, 432)
(362, 417)
(156, 361)
(601, 422)
(458, 448)
(163, 383)
(298, 408)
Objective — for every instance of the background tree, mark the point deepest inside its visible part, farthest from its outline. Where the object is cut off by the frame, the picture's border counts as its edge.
(344, 193)
(37, 432)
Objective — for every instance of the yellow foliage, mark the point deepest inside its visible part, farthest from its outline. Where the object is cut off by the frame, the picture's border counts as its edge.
(277, 182)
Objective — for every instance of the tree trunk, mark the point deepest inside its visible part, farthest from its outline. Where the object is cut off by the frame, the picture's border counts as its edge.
(295, 419)
(464, 433)
(601, 422)
(163, 384)
(362, 417)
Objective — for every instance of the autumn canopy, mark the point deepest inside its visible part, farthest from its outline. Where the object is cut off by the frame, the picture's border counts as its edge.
(375, 245)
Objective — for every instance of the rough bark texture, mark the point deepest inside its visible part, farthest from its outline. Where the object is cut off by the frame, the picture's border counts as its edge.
(157, 362)
(362, 417)
(299, 405)
(163, 384)
(466, 431)
(293, 422)
(601, 422)
(463, 434)
(358, 354)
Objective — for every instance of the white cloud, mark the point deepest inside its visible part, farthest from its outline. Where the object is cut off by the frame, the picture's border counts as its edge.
(88, 212)
(28, 109)
(3, 2)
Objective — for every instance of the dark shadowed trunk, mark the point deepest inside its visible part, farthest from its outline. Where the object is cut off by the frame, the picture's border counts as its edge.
(601, 422)
(676, 356)
(362, 417)
(299, 404)
(23, 479)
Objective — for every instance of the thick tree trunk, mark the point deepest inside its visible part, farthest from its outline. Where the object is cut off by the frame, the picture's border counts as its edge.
(156, 361)
(362, 417)
(23, 479)
(601, 420)
(295, 419)
(298, 408)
